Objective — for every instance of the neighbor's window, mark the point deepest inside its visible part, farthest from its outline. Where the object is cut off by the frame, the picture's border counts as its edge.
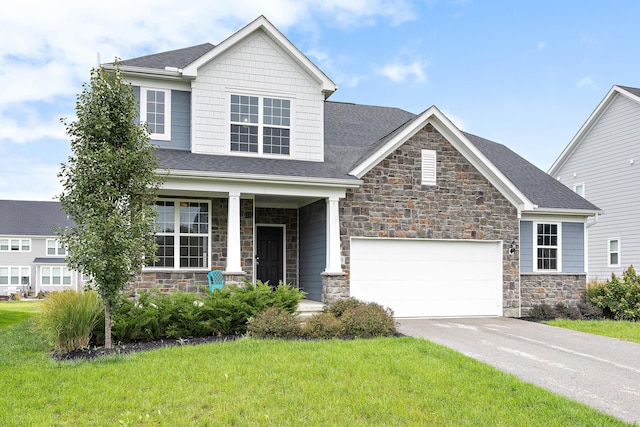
(183, 234)
(579, 189)
(15, 275)
(547, 243)
(55, 248)
(260, 124)
(15, 245)
(155, 110)
(614, 252)
(55, 276)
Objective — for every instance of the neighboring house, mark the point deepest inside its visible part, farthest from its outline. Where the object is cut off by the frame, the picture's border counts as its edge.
(601, 164)
(31, 257)
(267, 180)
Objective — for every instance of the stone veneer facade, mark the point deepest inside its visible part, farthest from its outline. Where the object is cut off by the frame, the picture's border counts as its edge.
(551, 289)
(392, 202)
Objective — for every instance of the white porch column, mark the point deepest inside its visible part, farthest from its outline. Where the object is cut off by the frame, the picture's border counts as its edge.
(233, 235)
(333, 237)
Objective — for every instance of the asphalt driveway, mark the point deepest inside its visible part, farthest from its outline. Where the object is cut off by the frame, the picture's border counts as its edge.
(601, 372)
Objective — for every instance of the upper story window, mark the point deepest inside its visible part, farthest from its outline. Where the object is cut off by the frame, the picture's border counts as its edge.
(183, 234)
(260, 125)
(15, 245)
(547, 246)
(55, 248)
(155, 110)
(579, 189)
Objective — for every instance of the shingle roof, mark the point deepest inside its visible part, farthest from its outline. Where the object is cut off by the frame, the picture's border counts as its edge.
(539, 187)
(633, 90)
(30, 218)
(178, 58)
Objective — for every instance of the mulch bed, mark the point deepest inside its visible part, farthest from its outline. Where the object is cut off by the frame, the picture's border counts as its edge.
(134, 347)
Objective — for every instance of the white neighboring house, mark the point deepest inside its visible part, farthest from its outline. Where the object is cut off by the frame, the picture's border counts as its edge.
(601, 163)
(31, 257)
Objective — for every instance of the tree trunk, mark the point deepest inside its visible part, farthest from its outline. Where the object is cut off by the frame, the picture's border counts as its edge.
(107, 325)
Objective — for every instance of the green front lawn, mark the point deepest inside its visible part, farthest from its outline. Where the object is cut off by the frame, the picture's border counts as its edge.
(388, 381)
(621, 329)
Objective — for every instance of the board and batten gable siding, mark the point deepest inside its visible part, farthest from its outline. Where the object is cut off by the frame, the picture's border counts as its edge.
(257, 66)
(602, 162)
(313, 248)
(180, 120)
(572, 249)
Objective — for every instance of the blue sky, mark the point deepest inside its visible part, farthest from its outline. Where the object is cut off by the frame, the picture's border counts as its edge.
(526, 74)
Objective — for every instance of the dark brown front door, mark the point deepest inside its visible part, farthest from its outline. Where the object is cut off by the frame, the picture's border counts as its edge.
(269, 260)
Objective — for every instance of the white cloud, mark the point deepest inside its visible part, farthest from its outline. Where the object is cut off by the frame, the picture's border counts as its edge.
(399, 71)
(586, 82)
(26, 179)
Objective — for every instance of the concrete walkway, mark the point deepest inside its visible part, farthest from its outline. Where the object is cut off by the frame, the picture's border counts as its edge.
(601, 372)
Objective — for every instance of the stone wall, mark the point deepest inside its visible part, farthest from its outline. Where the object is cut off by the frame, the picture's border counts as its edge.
(551, 289)
(392, 202)
(185, 281)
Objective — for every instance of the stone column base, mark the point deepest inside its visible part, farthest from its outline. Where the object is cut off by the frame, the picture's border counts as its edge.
(335, 286)
(234, 278)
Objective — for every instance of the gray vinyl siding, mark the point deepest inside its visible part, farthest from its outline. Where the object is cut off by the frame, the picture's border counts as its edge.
(25, 259)
(526, 246)
(572, 247)
(313, 248)
(602, 161)
(180, 120)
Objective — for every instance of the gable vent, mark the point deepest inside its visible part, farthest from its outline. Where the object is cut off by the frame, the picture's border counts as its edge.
(428, 167)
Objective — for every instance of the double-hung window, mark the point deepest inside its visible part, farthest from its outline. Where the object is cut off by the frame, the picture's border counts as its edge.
(547, 246)
(55, 248)
(15, 275)
(52, 276)
(15, 245)
(182, 235)
(155, 111)
(614, 252)
(260, 125)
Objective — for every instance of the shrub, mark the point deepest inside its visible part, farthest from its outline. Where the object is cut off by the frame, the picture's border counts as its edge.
(565, 312)
(337, 308)
(618, 297)
(589, 311)
(368, 320)
(68, 318)
(323, 326)
(274, 323)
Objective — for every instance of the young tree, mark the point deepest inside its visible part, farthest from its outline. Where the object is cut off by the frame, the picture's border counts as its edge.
(109, 188)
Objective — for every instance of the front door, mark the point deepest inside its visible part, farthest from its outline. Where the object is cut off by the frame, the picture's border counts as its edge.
(269, 258)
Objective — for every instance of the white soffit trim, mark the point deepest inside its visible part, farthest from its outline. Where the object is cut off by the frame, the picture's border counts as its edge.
(586, 127)
(447, 129)
(262, 23)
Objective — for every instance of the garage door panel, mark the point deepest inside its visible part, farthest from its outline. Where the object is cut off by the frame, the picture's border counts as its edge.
(428, 277)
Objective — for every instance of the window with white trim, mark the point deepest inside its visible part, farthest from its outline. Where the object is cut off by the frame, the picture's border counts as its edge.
(613, 246)
(547, 246)
(53, 276)
(55, 248)
(14, 245)
(579, 189)
(260, 125)
(428, 167)
(155, 111)
(11, 275)
(183, 234)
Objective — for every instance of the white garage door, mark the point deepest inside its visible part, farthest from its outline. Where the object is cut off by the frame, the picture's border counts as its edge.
(428, 277)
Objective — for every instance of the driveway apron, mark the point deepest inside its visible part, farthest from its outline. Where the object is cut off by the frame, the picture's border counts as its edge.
(601, 372)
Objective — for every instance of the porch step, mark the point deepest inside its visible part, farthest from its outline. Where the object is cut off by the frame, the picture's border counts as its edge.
(307, 308)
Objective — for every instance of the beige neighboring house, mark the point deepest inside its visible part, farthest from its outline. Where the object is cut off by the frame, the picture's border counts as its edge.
(601, 163)
(31, 257)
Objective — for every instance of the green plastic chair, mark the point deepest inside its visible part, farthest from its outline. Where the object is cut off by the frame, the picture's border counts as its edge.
(215, 279)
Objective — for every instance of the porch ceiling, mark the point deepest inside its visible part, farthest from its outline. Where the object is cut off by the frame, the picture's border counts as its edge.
(279, 201)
